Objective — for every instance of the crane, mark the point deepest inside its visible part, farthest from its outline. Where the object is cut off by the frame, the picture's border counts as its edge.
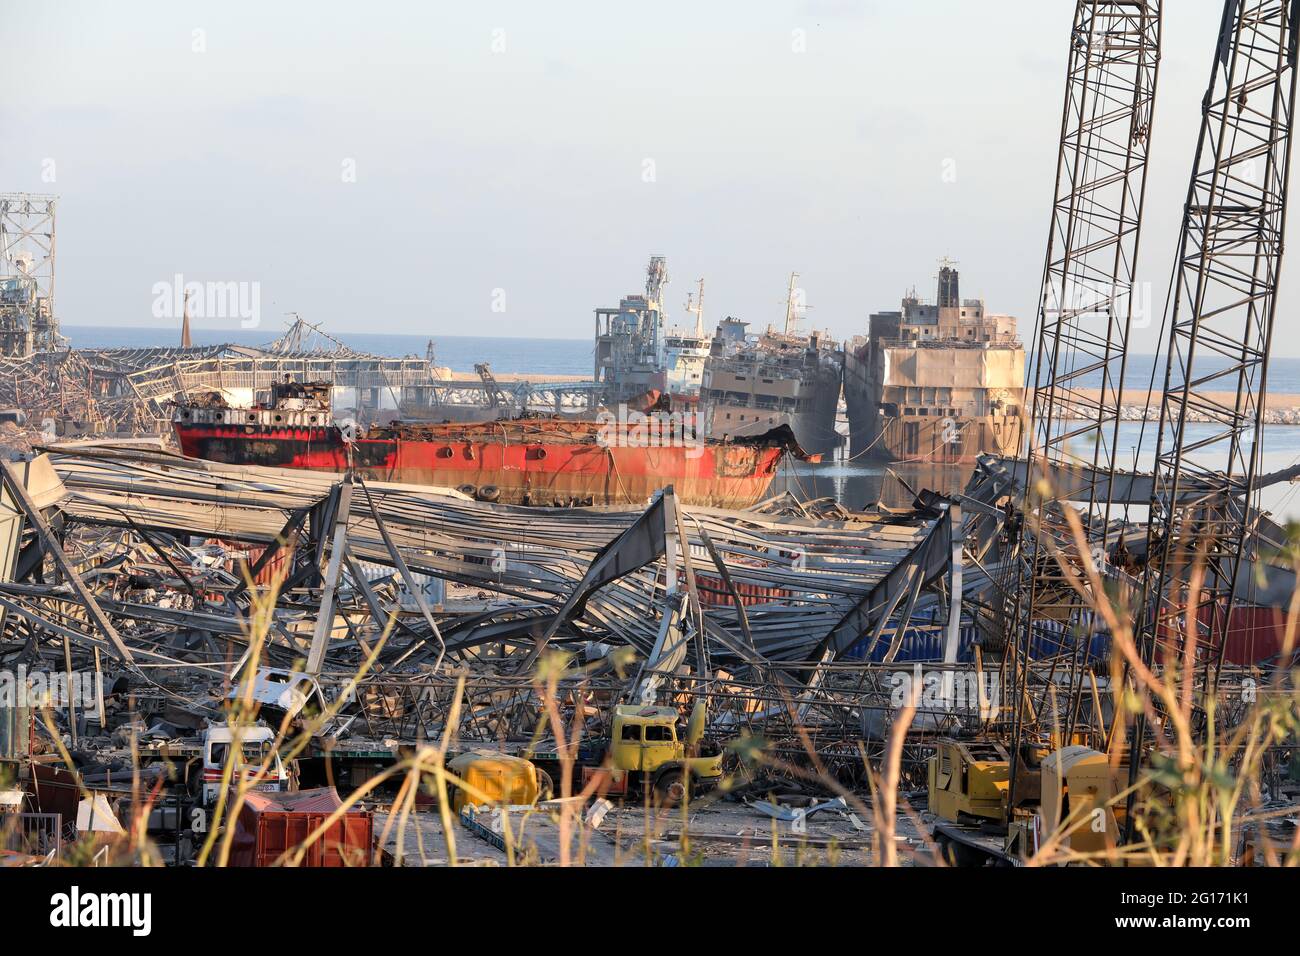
(1081, 335)
(1220, 329)
(1219, 320)
(495, 394)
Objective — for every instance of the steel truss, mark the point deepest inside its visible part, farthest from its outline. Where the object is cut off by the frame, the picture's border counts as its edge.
(28, 321)
(1086, 310)
(1221, 329)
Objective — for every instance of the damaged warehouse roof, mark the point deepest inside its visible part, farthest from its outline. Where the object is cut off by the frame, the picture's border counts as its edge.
(818, 570)
(746, 608)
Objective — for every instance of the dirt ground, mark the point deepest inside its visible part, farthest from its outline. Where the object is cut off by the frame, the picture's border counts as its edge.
(717, 834)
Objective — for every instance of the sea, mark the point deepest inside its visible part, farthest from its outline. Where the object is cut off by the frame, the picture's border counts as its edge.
(854, 483)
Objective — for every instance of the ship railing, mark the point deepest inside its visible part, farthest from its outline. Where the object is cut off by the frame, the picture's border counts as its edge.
(754, 373)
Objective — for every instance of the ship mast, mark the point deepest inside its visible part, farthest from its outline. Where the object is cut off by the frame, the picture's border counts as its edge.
(186, 341)
(696, 308)
(791, 314)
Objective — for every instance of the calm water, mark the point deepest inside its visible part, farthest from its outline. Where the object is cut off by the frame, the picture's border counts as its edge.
(854, 483)
(1283, 373)
(857, 483)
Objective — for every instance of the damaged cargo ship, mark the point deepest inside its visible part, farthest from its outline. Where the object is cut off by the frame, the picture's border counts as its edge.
(782, 377)
(936, 383)
(543, 461)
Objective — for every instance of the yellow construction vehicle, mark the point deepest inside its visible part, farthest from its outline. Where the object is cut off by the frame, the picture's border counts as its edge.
(646, 752)
(497, 778)
(969, 780)
(968, 787)
(1079, 784)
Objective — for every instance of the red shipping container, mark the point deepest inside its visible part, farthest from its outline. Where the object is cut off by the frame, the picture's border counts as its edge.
(270, 823)
(1255, 633)
(271, 569)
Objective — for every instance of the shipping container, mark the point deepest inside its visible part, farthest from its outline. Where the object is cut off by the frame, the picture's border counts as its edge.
(271, 823)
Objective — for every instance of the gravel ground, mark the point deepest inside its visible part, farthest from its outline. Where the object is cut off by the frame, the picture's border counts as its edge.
(719, 834)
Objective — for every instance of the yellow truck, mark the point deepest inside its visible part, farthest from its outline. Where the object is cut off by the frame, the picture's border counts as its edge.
(647, 751)
(968, 780)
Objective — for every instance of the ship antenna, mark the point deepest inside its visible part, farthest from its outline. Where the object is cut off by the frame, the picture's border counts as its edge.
(697, 308)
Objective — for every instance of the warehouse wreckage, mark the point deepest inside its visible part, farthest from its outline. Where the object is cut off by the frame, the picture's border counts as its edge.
(136, 563)
(398, 609)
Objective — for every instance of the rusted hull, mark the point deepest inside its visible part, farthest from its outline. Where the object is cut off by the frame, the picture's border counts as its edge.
(947, 440)
(518, 467)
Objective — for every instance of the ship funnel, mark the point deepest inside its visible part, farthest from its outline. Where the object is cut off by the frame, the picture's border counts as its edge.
(949, 288)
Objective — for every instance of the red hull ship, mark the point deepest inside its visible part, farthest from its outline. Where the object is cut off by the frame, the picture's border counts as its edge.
(530, 461)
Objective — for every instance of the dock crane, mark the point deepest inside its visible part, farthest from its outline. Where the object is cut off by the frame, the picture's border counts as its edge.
(1223, 307)
(1201, 493)
(1081, 335)
(1220, 326)
(496, 395)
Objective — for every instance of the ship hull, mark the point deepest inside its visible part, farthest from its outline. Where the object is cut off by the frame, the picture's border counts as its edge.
(814, 428)
(937, 439)
(945, 440)
(858, 403)
(818, 426)
(504, 469)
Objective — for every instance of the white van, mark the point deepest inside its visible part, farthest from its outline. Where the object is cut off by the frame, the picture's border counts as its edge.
(254, 744)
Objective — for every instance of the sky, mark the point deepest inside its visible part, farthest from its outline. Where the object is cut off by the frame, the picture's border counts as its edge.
(504, 168)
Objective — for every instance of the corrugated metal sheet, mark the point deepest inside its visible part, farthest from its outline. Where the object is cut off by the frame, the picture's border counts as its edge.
(319, 800)
(433, 589)
(925, 643)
